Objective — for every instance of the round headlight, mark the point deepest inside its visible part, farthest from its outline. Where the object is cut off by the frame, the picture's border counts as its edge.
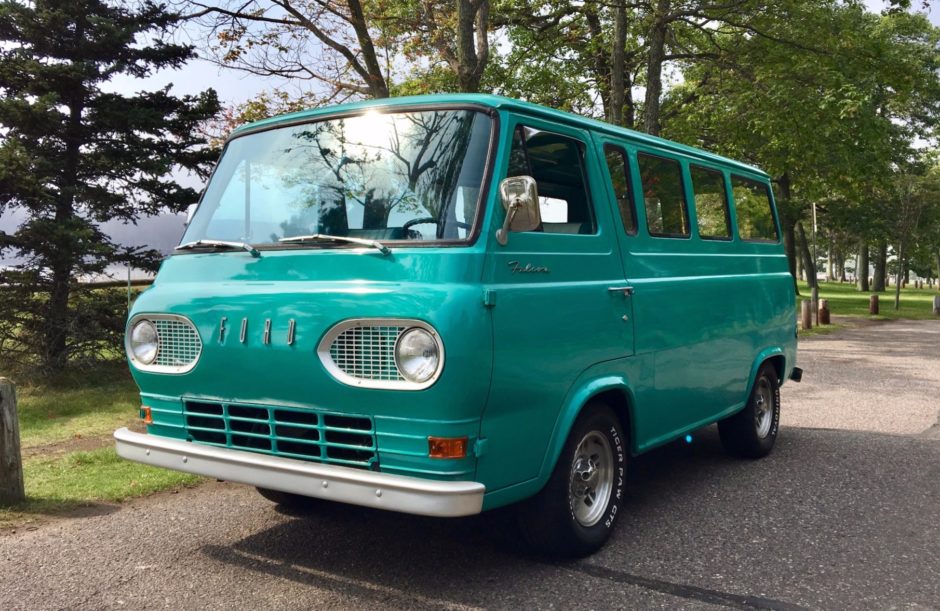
(144, 342)
(417, 355)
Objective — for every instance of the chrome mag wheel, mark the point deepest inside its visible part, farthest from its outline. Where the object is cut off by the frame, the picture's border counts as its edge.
(763, 407)
(592, 479)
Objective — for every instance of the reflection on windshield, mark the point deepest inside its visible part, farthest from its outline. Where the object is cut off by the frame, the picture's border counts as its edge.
(401, 176)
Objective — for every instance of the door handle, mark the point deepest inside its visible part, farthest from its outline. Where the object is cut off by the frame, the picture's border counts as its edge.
(627, 291)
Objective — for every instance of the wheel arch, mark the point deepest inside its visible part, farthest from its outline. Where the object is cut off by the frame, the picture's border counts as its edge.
(614, 390)
(776, 356)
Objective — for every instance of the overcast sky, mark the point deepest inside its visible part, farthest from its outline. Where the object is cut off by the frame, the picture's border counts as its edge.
(233, 87)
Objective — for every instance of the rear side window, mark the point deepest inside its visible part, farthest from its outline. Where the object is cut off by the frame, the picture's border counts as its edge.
(753, 210)
(663, 197)
(618, 168)
(711, 204)
(556, 163)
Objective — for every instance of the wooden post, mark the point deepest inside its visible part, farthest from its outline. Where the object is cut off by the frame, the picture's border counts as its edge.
(873, 304)
(822, 317)
(11, 463)
(806, 314)
(936, 305)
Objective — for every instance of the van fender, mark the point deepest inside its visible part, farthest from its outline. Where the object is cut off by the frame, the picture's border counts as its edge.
(589, 384)
(764, 354)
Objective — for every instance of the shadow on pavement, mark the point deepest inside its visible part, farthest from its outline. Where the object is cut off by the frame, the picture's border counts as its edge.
(831, 518)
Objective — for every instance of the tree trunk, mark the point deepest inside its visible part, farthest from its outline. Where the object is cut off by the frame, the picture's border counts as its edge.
(808, 263)
(788, 222)
(375, 80)
(55, 344)
(799, 272)
(830, 261)
(898, 278)
(789, 246)
(938, 267)
(602, 60)
(861, 271)
(472, 43)
(618, 66)
(654, 69)
(881, 267)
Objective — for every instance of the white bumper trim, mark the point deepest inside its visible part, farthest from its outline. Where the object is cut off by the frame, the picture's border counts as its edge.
(330, 482)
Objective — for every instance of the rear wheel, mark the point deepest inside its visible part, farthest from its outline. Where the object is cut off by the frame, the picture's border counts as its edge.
(751, 433)
(574, 514)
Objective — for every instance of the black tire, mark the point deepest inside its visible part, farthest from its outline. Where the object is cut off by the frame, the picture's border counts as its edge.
(562, 522)
(751, 433)
(290, 501)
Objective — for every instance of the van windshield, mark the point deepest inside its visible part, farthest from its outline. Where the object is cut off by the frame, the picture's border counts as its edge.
(392, 176)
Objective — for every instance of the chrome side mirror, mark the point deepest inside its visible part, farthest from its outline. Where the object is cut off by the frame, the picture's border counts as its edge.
(520, 198)
(190, 211)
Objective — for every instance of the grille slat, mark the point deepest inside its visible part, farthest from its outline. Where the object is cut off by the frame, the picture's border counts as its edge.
(368, 352)
(294, 433)
(179, 345)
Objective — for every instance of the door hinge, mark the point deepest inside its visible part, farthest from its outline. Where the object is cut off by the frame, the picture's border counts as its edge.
(489, 298)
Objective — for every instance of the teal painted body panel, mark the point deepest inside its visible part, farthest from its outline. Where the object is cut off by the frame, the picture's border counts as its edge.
(531, 330)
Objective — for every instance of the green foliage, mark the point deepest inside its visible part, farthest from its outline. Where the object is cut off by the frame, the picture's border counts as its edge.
(74, 156)
(94, 330)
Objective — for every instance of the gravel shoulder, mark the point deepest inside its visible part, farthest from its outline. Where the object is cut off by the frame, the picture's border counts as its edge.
(882, 378)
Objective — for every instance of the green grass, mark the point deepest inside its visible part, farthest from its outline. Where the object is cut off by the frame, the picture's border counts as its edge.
(70, 481)
(845, 300)
(74, 411)
(824, 330)
(78, 404)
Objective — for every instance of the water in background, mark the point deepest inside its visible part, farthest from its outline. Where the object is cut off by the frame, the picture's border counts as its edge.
(161, 232)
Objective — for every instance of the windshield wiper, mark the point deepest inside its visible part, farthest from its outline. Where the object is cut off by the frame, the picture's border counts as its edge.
(220, 244)
(336, 238)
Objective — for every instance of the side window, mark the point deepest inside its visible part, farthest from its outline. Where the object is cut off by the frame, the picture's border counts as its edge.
(711, 204)
(753, 210)
(556, 163)
(618, 168)
(663, 197)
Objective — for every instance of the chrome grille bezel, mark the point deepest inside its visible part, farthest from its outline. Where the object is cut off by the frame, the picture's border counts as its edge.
(384, 379)
(156, 366)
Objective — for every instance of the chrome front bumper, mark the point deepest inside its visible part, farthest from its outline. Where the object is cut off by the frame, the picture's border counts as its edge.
(329, 482)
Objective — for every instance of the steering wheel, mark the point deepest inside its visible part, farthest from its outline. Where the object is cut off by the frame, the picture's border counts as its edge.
(418, 221)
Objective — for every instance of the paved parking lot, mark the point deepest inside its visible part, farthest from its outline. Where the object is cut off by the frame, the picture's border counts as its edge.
(845, 514)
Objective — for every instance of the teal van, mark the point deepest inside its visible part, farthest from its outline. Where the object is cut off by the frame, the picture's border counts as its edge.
(443, 305)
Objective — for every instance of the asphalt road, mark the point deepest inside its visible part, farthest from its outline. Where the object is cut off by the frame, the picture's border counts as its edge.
(845, 514)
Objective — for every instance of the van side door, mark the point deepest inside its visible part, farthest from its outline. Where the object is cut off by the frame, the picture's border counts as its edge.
(554, 313)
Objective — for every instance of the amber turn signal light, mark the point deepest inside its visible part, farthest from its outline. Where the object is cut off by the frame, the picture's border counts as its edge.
(146, 415)
(447, 447)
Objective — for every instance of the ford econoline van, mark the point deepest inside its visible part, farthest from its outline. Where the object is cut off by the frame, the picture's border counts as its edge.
(443, 305)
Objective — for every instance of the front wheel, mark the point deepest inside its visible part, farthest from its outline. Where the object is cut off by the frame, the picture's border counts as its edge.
(751, 432)
(575, 512)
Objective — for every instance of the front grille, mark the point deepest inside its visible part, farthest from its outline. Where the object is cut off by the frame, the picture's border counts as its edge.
(180, 345)
(281, 431)
(367, 352)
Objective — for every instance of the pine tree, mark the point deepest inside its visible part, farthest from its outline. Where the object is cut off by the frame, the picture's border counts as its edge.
(73, 155)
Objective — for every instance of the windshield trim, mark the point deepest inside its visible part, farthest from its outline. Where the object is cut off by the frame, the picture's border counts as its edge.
(488, 170)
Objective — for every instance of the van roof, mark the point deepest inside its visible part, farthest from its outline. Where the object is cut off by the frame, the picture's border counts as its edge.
(501, 103)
